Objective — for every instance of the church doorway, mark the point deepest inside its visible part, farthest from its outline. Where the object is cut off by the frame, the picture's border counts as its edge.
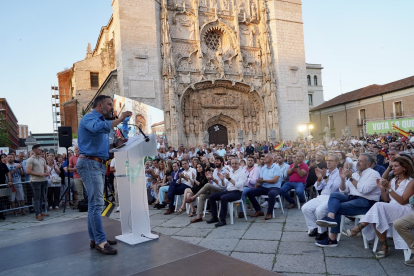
(218, 134)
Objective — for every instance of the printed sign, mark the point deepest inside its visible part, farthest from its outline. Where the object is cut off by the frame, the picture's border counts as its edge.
(4, 150)
(378, 127)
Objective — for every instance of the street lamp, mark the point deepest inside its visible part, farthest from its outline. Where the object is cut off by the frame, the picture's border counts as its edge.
(303, 127)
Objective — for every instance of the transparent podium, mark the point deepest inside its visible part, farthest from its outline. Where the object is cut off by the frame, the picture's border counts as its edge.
(132, 190)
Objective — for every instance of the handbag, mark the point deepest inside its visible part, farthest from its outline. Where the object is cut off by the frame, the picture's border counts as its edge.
(56, 179)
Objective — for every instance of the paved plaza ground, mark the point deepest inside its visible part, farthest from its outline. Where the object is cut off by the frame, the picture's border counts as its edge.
(281, 245)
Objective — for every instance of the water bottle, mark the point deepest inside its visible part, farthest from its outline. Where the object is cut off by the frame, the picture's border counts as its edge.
(127, 169)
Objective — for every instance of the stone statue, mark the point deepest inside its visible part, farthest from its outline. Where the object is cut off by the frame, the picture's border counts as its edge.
(240, 135)
(346, 132)
(327, 135)
(206, 137)
(254, 11)
(272, 136)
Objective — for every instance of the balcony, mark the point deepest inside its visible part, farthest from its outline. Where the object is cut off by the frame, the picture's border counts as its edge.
(397, 115)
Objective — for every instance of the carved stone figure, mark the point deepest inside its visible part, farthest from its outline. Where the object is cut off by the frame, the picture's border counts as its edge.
(272, 135)
(254, 11)
(327, 135)
(206, 137)
(346, 132)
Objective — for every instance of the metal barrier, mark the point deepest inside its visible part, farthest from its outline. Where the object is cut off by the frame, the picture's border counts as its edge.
(6, 196)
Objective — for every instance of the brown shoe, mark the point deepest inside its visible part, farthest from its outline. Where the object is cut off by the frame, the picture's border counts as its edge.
(169, 212)
(92, 243)
(167, 201)
(241, 215)
(107, 249)
(292, 205)
(257, 214)
(44, 215)
(196, 220)
(39, 217)
(268, 216)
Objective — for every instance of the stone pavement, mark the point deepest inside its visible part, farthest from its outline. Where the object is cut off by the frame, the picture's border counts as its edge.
(281, 245)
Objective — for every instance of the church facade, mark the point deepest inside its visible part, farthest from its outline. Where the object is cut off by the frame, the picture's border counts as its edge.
(223, 71)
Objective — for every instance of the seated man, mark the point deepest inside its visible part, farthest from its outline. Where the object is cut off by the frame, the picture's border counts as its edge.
(357, 195)
(234, 182)
(297, 173)
(215, 185)
(268, 183)
(405, 227)
(328, 182)
(252, 173)
(186, 180)
(172, 178)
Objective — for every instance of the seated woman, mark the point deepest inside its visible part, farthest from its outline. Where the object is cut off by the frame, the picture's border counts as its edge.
(377, 219)
(162, 186)
(199, 183)
(160, 181)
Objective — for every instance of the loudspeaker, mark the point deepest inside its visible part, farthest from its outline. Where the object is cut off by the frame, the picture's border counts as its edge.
(65, 136)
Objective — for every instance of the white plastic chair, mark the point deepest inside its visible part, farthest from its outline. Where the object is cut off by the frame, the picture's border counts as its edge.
(232, 210)
(297, 198)
(263, 197)
(407, 252)
(357, 219)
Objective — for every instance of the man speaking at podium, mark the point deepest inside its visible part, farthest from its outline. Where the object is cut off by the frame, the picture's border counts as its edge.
(93, 143)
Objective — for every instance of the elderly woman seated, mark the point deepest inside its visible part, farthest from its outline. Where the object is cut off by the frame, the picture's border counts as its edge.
(382, 214)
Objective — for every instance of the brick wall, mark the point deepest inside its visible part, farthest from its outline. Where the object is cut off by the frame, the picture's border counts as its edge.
(64, 78)
(376, 108)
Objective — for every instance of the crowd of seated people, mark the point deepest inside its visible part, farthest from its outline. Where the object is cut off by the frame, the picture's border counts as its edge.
(371, 176)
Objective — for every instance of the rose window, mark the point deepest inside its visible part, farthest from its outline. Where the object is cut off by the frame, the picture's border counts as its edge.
(212, 39)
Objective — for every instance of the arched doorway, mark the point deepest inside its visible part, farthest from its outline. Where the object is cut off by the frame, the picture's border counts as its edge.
(218, 134)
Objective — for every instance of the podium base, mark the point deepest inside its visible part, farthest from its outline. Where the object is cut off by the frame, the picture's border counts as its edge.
(131, 239)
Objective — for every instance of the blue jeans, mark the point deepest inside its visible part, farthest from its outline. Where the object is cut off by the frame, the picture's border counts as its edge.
(347, 205)
(245, 190)
(93, 176)
(271, 192)
(225, 198)
(39, 189)
(173, 190)
(299, 188)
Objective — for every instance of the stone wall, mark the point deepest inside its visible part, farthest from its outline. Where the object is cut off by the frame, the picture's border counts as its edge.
(288, 52)
(137, 48)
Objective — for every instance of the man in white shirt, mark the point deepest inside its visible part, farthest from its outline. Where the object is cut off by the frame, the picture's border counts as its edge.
(234, 183)
(328, 182)
(357, 195)
(214, 185)
(252, 173)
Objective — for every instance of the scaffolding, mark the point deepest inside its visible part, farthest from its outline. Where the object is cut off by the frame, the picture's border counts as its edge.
(55, 113)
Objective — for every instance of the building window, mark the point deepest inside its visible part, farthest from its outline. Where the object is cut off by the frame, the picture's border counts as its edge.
(398, 109)
(315, 80)
(309, 80)
(310, 99)
(362, 116)
(94, 80)
(331, 122)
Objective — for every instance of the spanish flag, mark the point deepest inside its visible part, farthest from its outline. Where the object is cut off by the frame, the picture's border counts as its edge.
(400, 131)
(279, 146)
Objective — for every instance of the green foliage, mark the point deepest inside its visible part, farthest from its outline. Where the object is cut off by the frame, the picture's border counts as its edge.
(83, 112)
(4, 136)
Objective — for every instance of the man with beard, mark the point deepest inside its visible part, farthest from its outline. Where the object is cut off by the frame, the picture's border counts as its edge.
(93, 142)
(214, 185)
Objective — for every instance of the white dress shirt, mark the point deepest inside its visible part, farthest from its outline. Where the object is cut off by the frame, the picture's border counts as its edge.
(191, 173)
(215, 176)
(366, 187)
(239, 177)
(332, 186)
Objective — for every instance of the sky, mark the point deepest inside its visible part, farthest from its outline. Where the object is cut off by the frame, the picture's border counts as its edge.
(358, 42)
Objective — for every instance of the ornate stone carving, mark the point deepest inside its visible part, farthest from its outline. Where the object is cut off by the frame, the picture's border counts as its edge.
(346, 132)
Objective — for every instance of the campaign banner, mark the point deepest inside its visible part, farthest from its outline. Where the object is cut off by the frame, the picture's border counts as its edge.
(385, 126)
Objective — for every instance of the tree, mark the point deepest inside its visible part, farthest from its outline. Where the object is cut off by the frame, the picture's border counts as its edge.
(4, 134)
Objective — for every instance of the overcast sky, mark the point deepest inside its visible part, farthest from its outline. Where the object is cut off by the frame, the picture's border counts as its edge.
(357, 42)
